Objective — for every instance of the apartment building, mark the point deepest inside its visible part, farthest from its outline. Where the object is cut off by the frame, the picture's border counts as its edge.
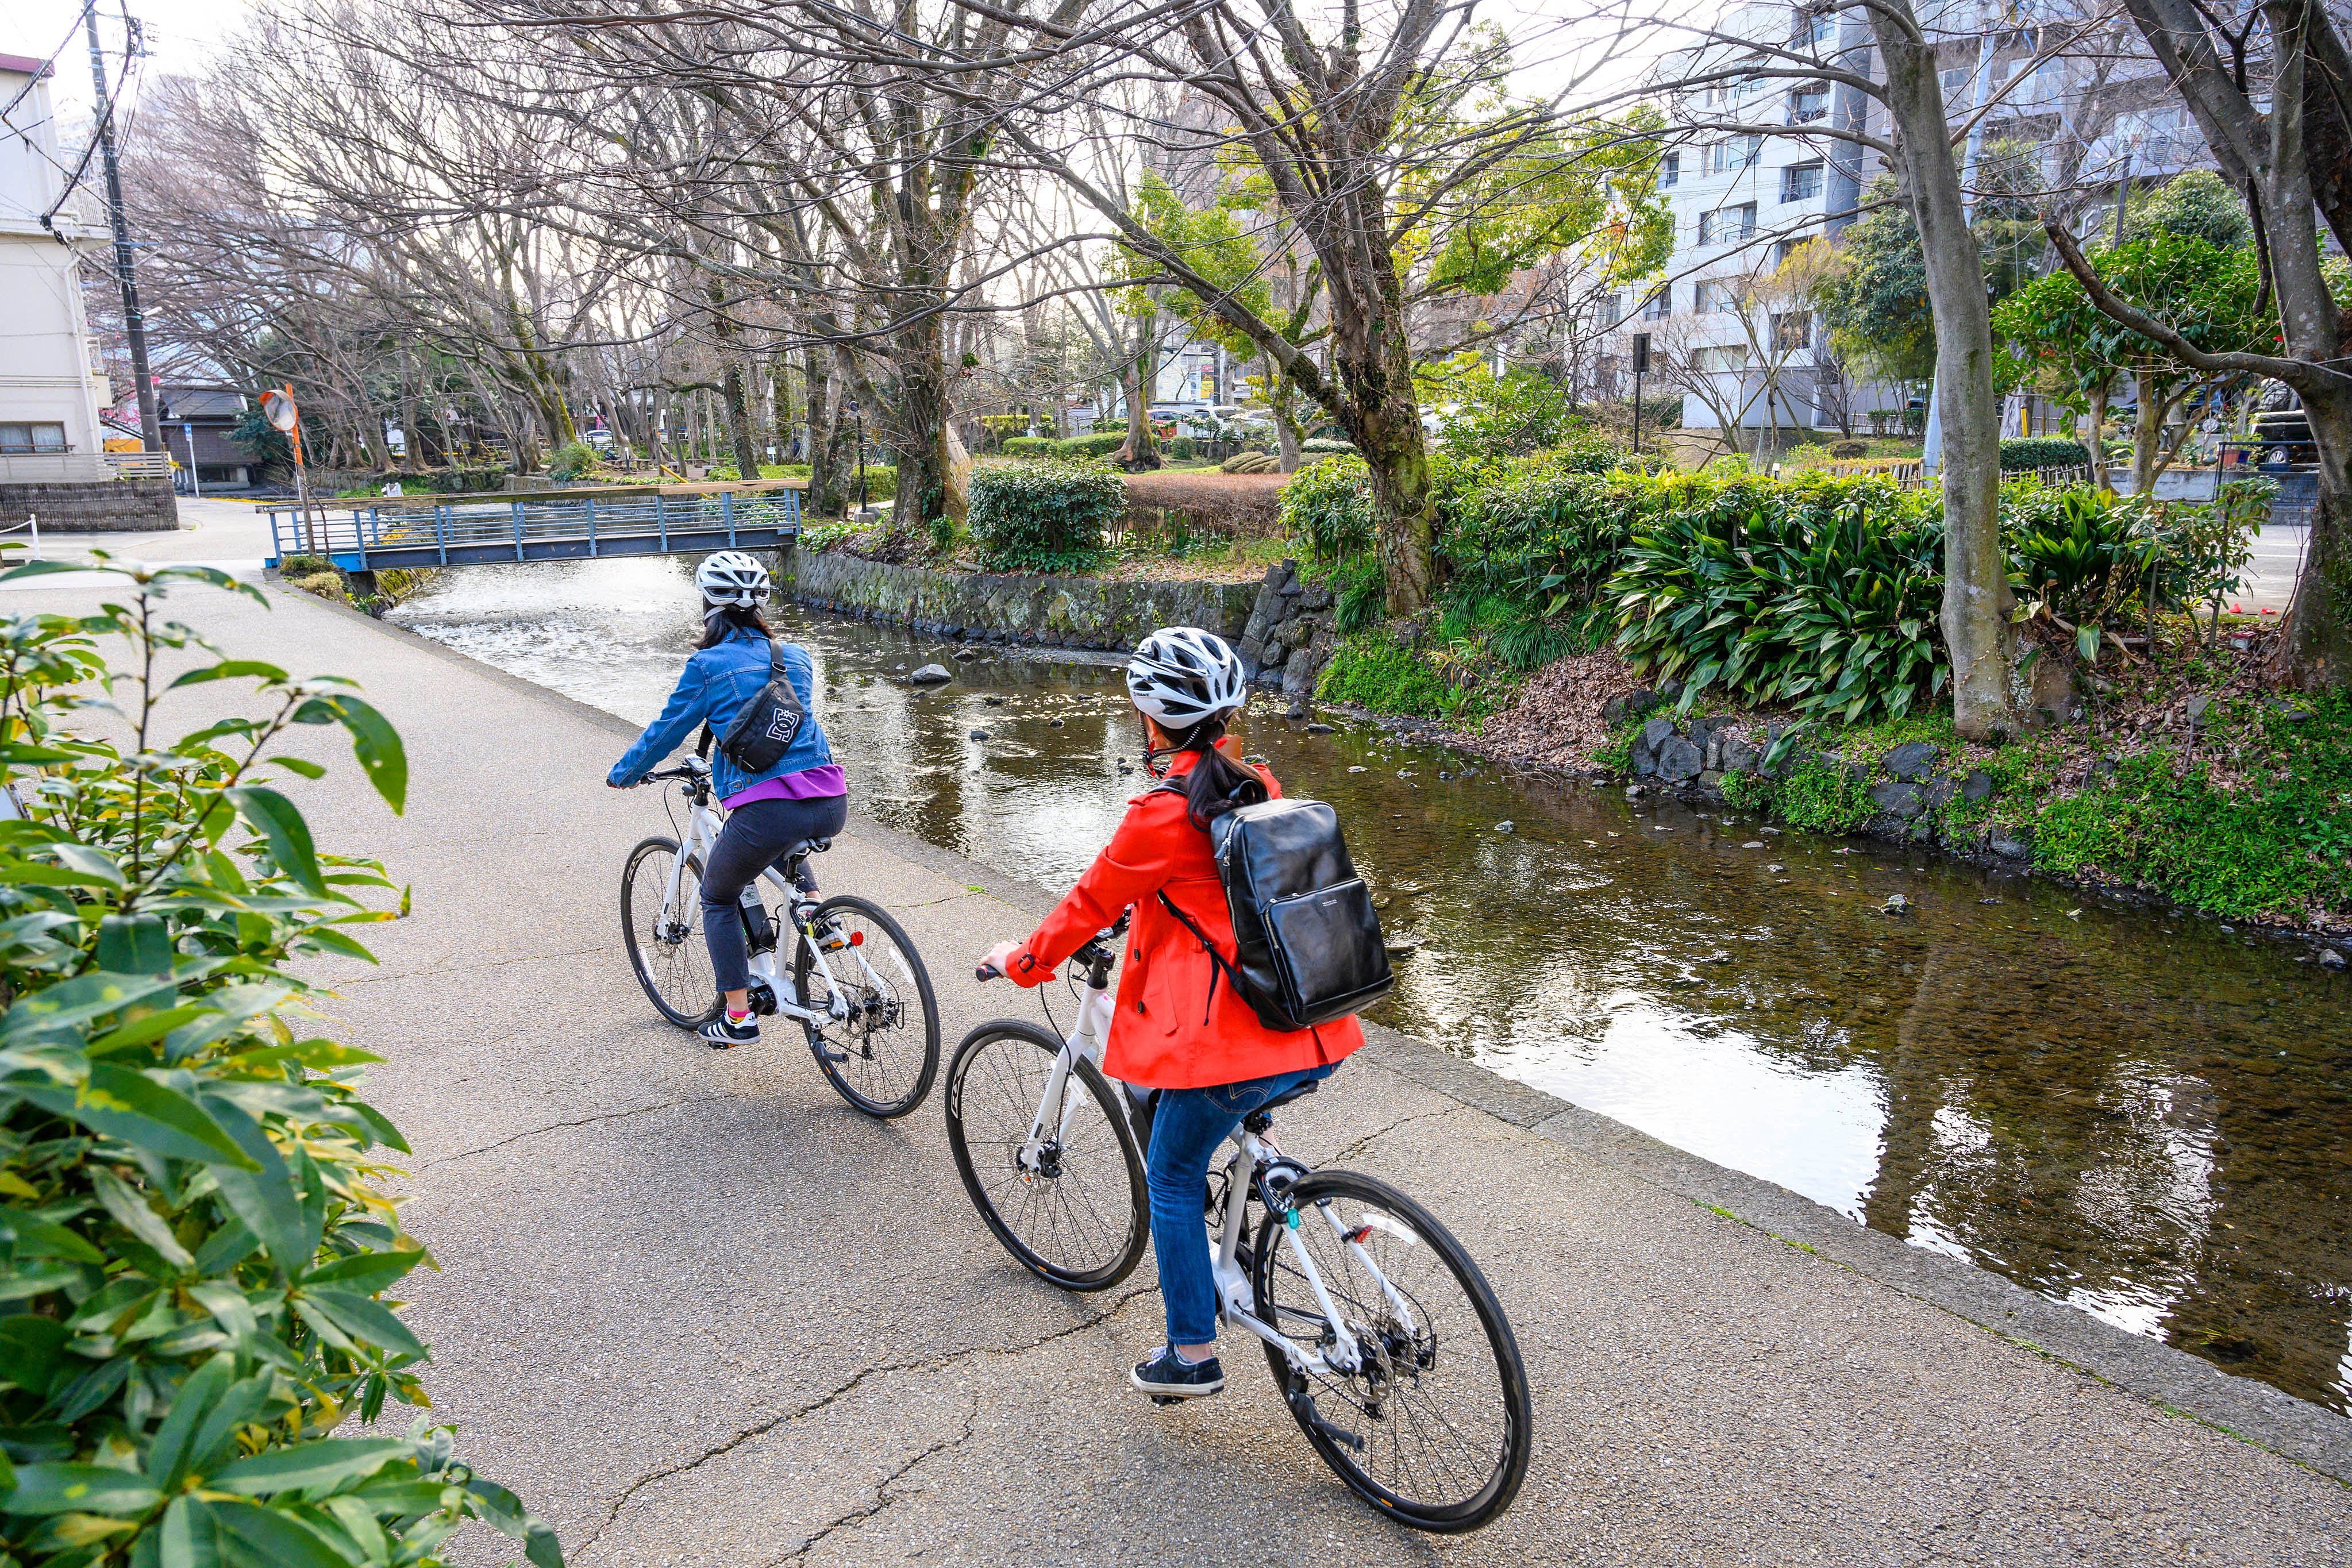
(51, 389)
(1729, 324)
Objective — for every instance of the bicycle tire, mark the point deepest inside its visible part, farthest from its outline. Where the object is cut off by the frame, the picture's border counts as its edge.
(856, 1039)
(1513, 1416)
(684, 954)
(1124, 1252)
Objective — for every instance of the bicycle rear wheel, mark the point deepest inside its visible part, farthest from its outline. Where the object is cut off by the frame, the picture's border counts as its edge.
(1436, 1425)
(667, 950)
(884, 1054)
(1073, 1210)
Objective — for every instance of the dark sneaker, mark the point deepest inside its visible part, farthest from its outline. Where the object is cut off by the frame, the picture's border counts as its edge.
(723, 1033)
(1164, 1375)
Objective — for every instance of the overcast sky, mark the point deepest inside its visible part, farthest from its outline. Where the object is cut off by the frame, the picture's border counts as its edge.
(178, 32)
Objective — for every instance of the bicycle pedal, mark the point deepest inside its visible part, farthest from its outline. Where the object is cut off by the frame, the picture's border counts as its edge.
(825, 1053)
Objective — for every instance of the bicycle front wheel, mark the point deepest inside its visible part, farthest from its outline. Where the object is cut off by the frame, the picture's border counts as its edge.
(1435, 1425)
(664, 932)
(881, 1048)
(1070, 1205)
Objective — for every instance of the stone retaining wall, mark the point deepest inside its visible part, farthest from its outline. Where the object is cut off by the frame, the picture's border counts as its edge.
(1291, 632)
(101, 506)
(1054, 612)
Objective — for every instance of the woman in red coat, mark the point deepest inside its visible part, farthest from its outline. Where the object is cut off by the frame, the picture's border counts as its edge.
(1178, 1028)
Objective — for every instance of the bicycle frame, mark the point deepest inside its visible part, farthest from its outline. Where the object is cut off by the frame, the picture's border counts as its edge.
(1253, 1153)
(704, 822)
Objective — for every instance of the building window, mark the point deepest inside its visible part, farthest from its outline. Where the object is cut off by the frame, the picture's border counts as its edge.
(1813, 29)
(1808, 104)
(1733, 154)
(1670, 169)
(1731, 357)
(1728, 226)
(1800, 182)
(22, 438)
(1791, 330)
(1658, 305)
(1956, 80)
(1715, 299)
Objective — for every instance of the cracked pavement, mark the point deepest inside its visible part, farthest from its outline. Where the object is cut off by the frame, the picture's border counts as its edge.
(695, 1310)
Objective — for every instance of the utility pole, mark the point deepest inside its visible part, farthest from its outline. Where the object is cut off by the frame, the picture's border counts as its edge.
(151, 427)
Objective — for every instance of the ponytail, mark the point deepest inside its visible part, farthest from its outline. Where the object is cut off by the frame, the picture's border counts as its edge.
(720, 621)
(1217, 784)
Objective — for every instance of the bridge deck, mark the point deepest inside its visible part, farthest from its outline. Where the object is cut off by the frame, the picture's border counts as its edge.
(377, 536)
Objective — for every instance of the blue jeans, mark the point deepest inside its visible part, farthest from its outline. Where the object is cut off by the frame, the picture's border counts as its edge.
(1187, 1126)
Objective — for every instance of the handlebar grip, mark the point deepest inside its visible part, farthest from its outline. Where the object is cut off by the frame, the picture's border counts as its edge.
(987, 972)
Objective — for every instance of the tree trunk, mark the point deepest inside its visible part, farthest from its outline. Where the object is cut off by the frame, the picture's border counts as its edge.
(2147, 436)
(2094, 424)
(2316, 652)
(823, 393)
(1977, 600)
(933, 467)
(1138, 452)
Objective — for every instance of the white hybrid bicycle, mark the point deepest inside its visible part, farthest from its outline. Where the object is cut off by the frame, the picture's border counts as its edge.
(1385, 1340)
(858, 989)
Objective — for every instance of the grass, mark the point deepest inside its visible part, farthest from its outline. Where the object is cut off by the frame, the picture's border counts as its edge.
(2274, 839)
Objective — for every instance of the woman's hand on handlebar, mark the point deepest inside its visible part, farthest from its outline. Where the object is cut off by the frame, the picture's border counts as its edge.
(993, 963)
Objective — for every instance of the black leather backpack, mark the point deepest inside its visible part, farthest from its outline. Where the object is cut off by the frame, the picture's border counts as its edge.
(1309, 947)
(764, 731)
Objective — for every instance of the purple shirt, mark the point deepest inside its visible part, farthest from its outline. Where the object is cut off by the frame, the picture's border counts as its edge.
(808, 784)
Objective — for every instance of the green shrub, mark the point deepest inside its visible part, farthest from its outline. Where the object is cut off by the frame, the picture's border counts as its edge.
(1028, 445)
(573, 460)
(2273, 839)
(1374, 670)
(996, 429)
(195, 1248)
(1049, 517)
(1328, 505)
(1543, 532)
(1518, 413)
(2042, 452)
(1815, 591)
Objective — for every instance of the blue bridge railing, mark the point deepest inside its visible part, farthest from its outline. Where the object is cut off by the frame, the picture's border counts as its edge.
(372, 536)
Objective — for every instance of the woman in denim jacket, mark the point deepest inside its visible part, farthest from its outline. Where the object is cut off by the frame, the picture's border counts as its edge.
(802, 796)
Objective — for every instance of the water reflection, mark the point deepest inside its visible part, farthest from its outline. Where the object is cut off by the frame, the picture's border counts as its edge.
(2134, 1114)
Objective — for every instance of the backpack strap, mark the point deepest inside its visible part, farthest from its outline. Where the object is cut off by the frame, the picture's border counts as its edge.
(1219, 965)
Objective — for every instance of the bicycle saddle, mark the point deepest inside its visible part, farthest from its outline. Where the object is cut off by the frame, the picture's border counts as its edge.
(1297, 1091)
(808, 847)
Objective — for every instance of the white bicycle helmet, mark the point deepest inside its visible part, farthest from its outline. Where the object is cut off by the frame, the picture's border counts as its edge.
(1181, 676)
(731, 579)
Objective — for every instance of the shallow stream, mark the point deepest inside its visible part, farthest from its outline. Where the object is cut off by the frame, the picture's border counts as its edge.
(2147, 1115)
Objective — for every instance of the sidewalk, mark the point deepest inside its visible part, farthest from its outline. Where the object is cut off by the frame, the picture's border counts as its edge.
(697, 1310)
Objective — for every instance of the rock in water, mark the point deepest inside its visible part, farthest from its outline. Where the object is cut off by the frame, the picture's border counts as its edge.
(980, 735)
(1358, 768)
(1053, 724)
(2331, 959)
(1506, 827)
(993, 702)
(1897, 904)
(1318, 729)
(931, 675)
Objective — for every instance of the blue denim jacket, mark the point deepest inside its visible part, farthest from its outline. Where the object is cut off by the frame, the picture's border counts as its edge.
(716, 683)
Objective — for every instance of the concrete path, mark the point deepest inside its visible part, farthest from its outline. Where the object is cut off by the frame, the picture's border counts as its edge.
(698, 1311)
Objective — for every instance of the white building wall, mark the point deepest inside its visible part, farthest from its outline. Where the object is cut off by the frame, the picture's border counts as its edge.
(46, 355)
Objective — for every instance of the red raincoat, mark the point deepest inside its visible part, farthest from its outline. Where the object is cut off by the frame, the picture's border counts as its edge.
(1171, 1031)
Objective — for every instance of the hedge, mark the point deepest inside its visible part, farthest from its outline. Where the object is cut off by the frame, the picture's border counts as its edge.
(1231, 506)
(1044, 518)
(2042, 452)
(1077, 447)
